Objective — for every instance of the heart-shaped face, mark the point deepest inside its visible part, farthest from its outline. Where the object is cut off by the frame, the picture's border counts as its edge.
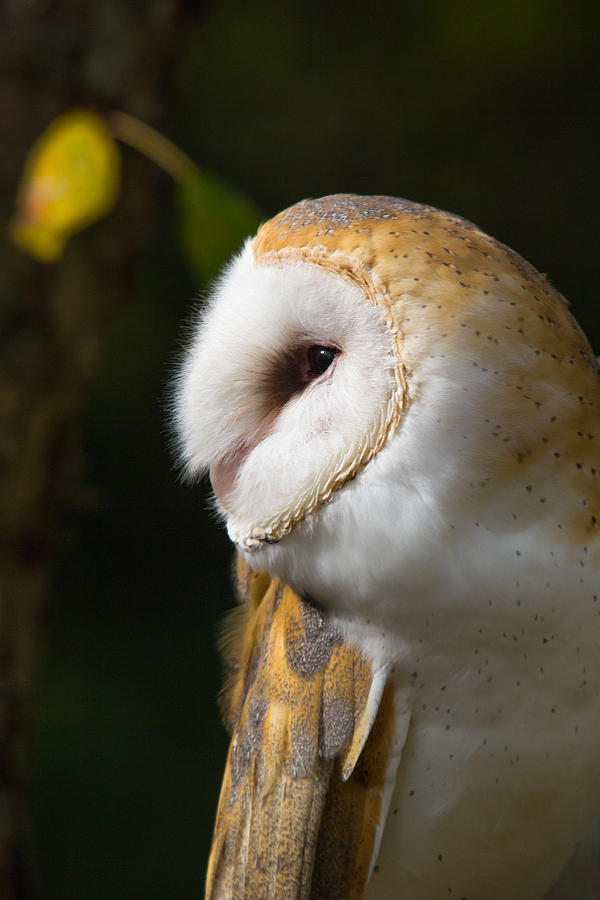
(291, 386)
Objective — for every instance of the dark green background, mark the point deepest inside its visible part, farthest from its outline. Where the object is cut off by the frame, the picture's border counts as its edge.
(487, 109)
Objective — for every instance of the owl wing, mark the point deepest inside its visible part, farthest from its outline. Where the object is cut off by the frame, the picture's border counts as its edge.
(313, 754)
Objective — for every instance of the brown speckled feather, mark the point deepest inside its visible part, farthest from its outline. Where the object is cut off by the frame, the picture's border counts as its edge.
(299, 703)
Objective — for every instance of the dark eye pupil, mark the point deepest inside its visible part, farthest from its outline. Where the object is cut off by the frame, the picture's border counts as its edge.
(319, 359)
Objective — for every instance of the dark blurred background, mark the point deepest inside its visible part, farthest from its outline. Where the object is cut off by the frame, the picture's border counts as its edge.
(117, 574)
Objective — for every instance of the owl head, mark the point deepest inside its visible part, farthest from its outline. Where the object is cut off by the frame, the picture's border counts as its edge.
(373, 377)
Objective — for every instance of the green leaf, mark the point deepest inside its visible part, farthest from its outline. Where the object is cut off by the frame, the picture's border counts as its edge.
(214, 221)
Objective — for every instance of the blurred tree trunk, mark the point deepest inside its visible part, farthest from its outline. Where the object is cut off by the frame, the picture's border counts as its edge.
(53, 56)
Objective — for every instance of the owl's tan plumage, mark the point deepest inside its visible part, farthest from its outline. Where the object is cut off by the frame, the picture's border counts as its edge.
(297, 703)
(443, 547)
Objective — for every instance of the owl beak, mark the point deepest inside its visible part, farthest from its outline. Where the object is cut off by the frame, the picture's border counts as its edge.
(224, 472)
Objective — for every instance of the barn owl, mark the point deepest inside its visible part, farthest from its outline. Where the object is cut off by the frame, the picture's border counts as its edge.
(400, 419)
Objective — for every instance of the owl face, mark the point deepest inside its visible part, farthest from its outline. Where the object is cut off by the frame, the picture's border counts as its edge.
(290, 387)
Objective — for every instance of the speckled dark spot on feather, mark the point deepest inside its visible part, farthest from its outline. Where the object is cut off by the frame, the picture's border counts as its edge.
(308, 652)
(247, 745)
(337, 725)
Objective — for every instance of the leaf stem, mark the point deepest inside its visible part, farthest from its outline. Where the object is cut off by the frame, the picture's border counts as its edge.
(151, 143)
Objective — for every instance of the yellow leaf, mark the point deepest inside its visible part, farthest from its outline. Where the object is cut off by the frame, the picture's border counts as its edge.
(71, 179)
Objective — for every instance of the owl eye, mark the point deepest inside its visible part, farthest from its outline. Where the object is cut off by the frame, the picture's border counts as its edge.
(289, 373)
(319, 359)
